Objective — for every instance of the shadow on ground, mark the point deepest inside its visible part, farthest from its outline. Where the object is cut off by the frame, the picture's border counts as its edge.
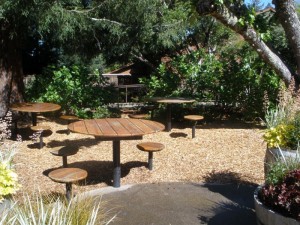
(100, 171)
(240, 207)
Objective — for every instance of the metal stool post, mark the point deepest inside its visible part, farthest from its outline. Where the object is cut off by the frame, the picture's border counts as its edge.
(150, 160)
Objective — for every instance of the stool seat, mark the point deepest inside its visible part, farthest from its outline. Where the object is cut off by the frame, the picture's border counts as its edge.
(193, 117)
(64, 152)
(150, 147)
(138, 116)
(40, 128)
(69, 117)
(67, 175)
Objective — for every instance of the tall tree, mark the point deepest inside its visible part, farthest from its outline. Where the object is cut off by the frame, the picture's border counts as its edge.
(118, 28)
(237, 16)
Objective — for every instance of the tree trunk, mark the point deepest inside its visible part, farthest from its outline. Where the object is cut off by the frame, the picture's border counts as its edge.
(286, 12)
(11, 72)
(225, 16)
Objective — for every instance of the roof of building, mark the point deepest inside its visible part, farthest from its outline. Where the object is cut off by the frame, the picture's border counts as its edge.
(123, 71)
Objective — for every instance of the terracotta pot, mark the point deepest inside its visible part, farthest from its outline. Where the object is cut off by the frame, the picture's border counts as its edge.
(275, 153)
(266, 216)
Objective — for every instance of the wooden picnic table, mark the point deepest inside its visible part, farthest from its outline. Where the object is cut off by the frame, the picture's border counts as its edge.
(34, 108)
(170, 101)
(115, 130)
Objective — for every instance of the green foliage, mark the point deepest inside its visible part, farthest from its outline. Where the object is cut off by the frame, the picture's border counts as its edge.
(293, 135)
(283, 197)
(278, 135)
(279, 168)
(74, 88)
(39, 209)
(103, 112)
(234, 79)
(192, 75)
(283, 132)
(8, 178)
(246, 80)
(275, 116)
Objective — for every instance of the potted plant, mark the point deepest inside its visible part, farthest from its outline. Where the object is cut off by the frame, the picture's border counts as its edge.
(283, 126)
(8, 178)
(277, 202)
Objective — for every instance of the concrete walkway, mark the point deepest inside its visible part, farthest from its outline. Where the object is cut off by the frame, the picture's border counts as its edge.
(180, 204)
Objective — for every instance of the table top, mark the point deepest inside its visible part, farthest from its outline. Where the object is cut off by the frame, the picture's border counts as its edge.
(172, 100)
(116, 128)
(34, 107)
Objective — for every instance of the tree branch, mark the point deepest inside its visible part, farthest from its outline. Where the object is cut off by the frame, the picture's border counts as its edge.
(107, 20)
(286, 12)
(225, 16)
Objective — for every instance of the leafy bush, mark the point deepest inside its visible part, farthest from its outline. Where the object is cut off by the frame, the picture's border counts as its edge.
(73, 87)
(8, 178)
(284, 196)
(245, 82)
(191, 75)
(283, 163)
(234, 79)
(283, 123)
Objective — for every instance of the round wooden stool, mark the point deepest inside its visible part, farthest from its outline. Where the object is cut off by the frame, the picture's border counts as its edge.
(195, 119)
(40, 129)
(64, 151)
(69, 118)
(138, 116)
(68, 176)
(150, 147)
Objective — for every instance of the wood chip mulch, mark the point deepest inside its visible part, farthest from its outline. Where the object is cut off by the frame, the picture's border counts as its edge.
(221, 152)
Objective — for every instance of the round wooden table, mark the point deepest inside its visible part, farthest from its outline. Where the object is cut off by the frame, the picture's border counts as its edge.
(169, 101)
(115, 130)
(34, 108)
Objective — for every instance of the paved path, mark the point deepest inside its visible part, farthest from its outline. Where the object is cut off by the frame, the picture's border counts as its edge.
(180, 204)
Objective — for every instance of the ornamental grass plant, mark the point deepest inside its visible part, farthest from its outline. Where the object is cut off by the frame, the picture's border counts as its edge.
(283, 121)
(39, 210)
(281, 191)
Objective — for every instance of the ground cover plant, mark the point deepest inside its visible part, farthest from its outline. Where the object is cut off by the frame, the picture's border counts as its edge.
(281, 192)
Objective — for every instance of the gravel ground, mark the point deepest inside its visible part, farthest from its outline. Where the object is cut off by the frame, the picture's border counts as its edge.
(222, 151)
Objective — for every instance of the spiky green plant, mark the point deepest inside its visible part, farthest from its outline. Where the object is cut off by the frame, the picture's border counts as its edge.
(40, 210)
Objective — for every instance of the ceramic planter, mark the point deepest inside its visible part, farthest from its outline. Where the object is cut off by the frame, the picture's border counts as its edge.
(266, 216)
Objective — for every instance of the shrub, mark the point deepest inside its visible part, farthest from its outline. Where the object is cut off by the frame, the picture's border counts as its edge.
(283, 122)
(284, 196)
(8, 178)
(72, 87)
